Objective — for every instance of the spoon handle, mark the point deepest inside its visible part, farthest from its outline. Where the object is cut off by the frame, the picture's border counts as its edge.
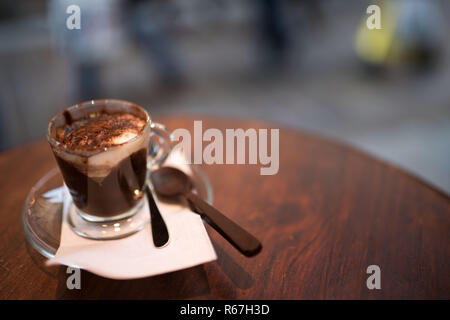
(237, 236)
(159, 228)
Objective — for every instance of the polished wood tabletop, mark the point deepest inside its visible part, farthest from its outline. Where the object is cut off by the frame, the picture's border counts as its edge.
(329, 213)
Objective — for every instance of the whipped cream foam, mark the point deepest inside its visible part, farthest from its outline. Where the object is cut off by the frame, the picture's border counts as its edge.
(122, 138)
(102, 132)
(99, 130)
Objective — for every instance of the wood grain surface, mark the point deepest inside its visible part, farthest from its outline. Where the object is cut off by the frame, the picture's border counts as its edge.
(329, 213)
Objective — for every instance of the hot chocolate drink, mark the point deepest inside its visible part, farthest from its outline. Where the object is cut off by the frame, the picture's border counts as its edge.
(103, 148)
(102, 155)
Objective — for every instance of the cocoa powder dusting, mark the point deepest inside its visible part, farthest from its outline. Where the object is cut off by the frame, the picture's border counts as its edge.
(98, 130)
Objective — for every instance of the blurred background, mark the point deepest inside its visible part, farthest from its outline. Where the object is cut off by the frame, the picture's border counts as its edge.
(311, 65)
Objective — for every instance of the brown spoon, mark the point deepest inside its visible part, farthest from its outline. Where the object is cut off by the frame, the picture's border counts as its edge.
(160, 233)
(171, 182)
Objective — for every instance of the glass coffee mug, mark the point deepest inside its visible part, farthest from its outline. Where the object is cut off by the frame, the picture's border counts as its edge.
(107, 183)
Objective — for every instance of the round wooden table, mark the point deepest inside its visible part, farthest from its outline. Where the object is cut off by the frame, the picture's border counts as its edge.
(329, 213)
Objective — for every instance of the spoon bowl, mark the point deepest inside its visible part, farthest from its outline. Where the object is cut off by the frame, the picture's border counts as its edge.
(170, 182)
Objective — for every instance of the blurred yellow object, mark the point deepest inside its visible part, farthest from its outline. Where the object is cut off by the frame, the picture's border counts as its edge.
(374, 45)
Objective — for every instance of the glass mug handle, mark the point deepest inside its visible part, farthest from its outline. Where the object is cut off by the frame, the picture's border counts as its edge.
(160, 145)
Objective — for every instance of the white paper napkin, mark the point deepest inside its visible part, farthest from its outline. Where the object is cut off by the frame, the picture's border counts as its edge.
(135, 256)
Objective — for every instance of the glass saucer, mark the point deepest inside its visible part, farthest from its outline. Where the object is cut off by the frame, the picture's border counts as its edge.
(42, 211)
